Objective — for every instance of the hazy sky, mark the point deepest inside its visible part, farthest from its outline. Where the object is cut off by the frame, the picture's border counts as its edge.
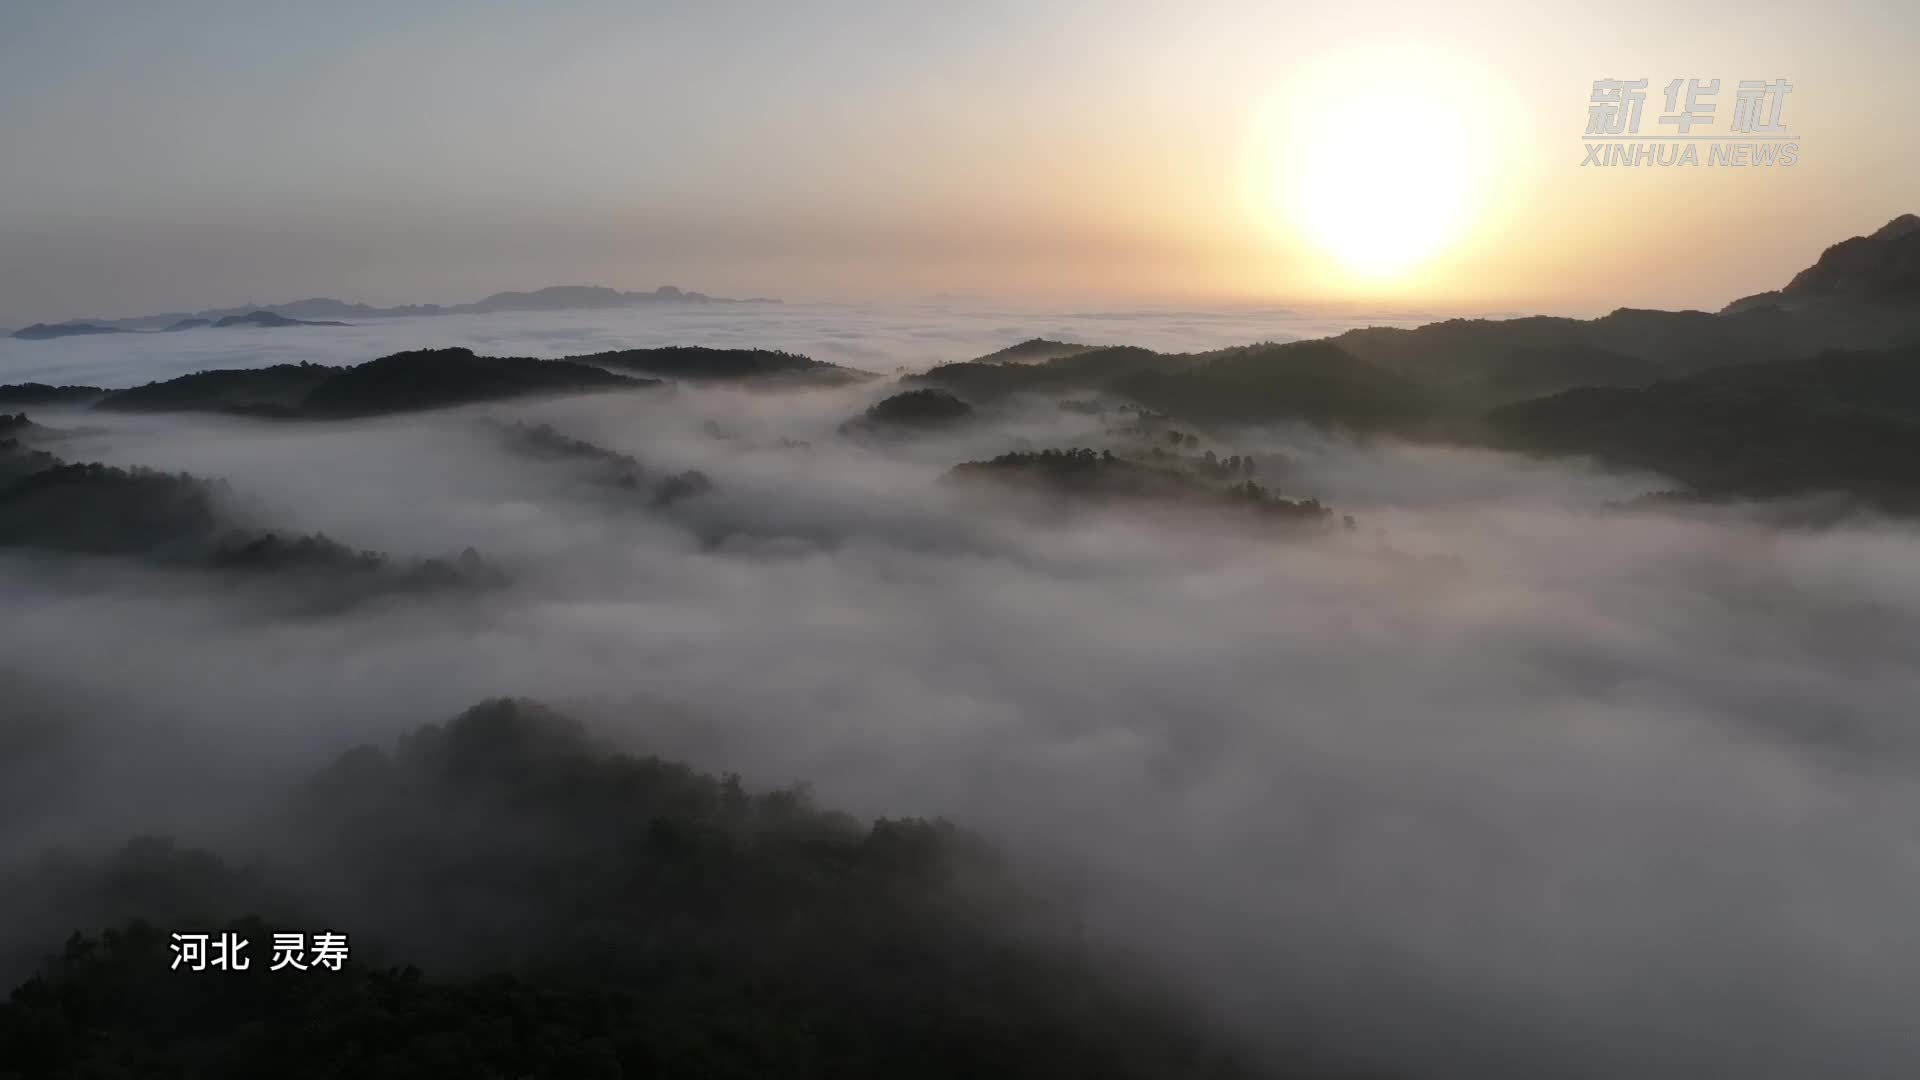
(192, 154)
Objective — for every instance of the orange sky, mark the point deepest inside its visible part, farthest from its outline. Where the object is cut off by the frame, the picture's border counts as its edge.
(1042, 151)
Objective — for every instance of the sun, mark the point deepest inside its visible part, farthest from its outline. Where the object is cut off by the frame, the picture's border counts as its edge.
(1382, 160)
(1378, 183)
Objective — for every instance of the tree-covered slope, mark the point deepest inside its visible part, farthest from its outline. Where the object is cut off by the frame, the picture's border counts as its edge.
(1839, 422)
(591, 913)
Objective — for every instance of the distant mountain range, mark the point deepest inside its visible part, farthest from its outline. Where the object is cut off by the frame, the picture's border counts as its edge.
(1813, 388)
(261, 318)
(430, 378)
(402, 382)
(323, 311)
(1862, 294)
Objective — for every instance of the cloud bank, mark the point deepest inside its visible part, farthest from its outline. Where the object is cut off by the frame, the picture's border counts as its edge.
(1496, 782)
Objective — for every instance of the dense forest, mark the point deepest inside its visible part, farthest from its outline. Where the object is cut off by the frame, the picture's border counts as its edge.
(1838, 422)
(43, 394)
(522, 901)
(184, 522)
(925, 409)
(1085, 473)
(694, 363)
(426, 379)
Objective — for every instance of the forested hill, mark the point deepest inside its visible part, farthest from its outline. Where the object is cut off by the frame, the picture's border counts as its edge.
(579, 912)
(428, 379)
(1838, 422)
(402, 382)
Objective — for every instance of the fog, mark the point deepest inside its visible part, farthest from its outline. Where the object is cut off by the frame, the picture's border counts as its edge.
(1500, 781)
(872, 337)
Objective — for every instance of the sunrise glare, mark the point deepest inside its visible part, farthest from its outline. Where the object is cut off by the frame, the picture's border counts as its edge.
(1380, 159)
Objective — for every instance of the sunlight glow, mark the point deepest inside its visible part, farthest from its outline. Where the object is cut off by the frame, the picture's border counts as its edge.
(1383, 160)
(1377, 184)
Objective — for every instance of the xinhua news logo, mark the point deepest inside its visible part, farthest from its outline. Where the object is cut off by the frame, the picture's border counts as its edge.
(1755, 135)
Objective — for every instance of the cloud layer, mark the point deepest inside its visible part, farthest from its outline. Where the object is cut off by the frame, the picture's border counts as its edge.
(1495, 783)
(883, 339)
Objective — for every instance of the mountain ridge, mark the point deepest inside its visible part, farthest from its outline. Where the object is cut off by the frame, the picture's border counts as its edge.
(548, 298)
(1881, 266)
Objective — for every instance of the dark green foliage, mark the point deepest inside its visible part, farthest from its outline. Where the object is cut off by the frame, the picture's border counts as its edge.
(345, 568)
(1089, 474)
(1725, 440)
(600, 914)
(100, 510)
(1153, 428)
(18, 461)
(1885, 382)
(1252, 494)
(1308, 381)
(402, 382)
(434, 378)
(1476, 363)
(1838, 422)
(1313, 382)
(694, 362)
(1151, 441)
(1379, 378)
(282, 386)
(422, 379)
(913, 410)
(1110, 362)
(1543, 369)
(42, 394)
(184, 521)
(269, 552)
(1229, 469)
(1034, 351)
(1089, 369)
(981, 380)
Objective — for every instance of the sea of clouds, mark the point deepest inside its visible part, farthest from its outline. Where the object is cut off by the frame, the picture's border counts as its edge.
(1498, 782)
(881, 339)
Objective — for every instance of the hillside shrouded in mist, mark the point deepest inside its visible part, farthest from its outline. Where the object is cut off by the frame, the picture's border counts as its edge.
(1286, 723)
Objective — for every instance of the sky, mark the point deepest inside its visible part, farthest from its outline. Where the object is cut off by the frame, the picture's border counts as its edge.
(205, 153)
